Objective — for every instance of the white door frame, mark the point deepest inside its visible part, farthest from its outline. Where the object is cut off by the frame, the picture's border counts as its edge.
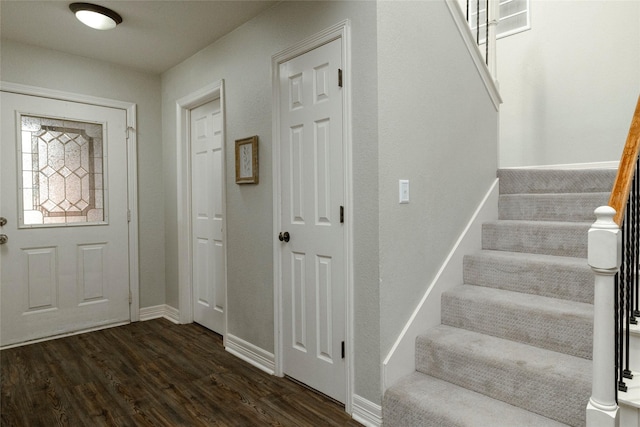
(339, 31)
(132, 170)
(184, 106)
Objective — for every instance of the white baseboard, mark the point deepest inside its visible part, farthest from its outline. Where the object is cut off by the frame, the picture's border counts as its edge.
(250, 353)
(366, 412)
(400, 361)
(613, 164)
(160, 311)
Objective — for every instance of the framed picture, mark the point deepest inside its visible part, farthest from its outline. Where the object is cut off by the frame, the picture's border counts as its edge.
(247, 160)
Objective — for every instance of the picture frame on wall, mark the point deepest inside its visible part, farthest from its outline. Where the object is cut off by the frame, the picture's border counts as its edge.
(247, 160)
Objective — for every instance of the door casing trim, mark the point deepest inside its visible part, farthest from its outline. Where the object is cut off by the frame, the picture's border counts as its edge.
(184, 106)
(132, 170)
(340, 31)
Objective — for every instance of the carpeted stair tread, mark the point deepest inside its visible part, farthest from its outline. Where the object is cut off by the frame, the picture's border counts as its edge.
(552, 276)
(420, 400)
(514, 181)
(548, 383)
(538, 237)
(572, 207)
(549, 323)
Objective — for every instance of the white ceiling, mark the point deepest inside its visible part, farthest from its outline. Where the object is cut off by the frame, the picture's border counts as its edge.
(154, 35)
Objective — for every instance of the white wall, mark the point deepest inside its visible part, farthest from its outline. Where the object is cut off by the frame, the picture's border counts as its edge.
(49, 69)
(438, 129)
(243, 60)
(570, 84)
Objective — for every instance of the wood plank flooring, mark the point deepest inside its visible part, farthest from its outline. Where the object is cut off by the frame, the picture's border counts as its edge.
(152, 373)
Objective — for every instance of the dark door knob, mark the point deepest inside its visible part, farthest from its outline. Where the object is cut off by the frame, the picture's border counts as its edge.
(284, 237)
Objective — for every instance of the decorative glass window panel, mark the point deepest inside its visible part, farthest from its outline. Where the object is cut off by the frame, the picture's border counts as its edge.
(62, 172)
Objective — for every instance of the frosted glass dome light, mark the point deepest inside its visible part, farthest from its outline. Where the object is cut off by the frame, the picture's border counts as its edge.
(95, 16)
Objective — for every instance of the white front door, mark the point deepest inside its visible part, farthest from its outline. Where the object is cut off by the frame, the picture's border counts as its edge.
(207, 179)
(312, 197)
(65, 265)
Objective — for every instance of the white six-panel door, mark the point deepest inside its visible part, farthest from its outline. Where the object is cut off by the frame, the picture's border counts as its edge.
(65, 266)
(209, 289)
(312, 194)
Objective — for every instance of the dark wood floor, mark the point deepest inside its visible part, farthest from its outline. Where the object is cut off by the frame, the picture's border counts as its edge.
(150, 373)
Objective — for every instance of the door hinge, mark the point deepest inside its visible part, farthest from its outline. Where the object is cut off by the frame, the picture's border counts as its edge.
(341, 214)
(339, 77)
(343, 349)
(128, 215)
(130, 298)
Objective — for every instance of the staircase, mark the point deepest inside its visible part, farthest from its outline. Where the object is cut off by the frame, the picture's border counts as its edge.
(515, 342)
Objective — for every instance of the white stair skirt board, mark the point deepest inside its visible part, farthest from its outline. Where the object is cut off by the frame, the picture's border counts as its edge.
(400, 361)
(366, 412)
(629, 402)
(250, 353)
(160, 311)
(634, 347)
(632, 396)
(629, 416)
(613, 164)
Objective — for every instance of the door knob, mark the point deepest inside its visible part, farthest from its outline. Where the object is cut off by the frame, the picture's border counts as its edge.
(3, 239)
(3, 221)
(284, 237)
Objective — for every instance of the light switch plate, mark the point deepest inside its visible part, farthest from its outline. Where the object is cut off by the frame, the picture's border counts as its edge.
(404, 191)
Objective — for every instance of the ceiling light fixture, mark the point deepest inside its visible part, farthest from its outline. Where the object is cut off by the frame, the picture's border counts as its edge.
(95, 16)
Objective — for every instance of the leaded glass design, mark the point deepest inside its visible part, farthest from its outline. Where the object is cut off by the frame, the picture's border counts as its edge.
(62, 172)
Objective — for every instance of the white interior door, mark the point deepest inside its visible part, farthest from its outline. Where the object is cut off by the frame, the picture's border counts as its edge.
(312, 195)
(207, 180)
(65, 266)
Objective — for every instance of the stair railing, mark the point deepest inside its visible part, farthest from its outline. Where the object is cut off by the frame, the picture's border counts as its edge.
(613, 254)
(491, 11)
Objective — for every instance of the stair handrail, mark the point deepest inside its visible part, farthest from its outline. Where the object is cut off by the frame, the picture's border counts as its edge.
(605, 256)
(624, 178)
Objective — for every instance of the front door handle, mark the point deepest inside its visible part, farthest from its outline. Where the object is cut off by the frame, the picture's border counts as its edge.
(284, 237)
(3, 221)
(3, 239)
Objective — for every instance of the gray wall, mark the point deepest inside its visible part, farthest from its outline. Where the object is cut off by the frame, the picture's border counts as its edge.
(438, 129)
(570, 84)
(243, 60)
(49, 69)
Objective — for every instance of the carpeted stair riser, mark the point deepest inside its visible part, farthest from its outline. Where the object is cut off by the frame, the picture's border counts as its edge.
(550, 276)
(448, 405)
(548, 383)
(514, 181)
(551, 207)
(549, 323)
(537, 237)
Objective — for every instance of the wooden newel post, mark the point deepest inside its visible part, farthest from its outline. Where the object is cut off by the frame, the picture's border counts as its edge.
(604, 257)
